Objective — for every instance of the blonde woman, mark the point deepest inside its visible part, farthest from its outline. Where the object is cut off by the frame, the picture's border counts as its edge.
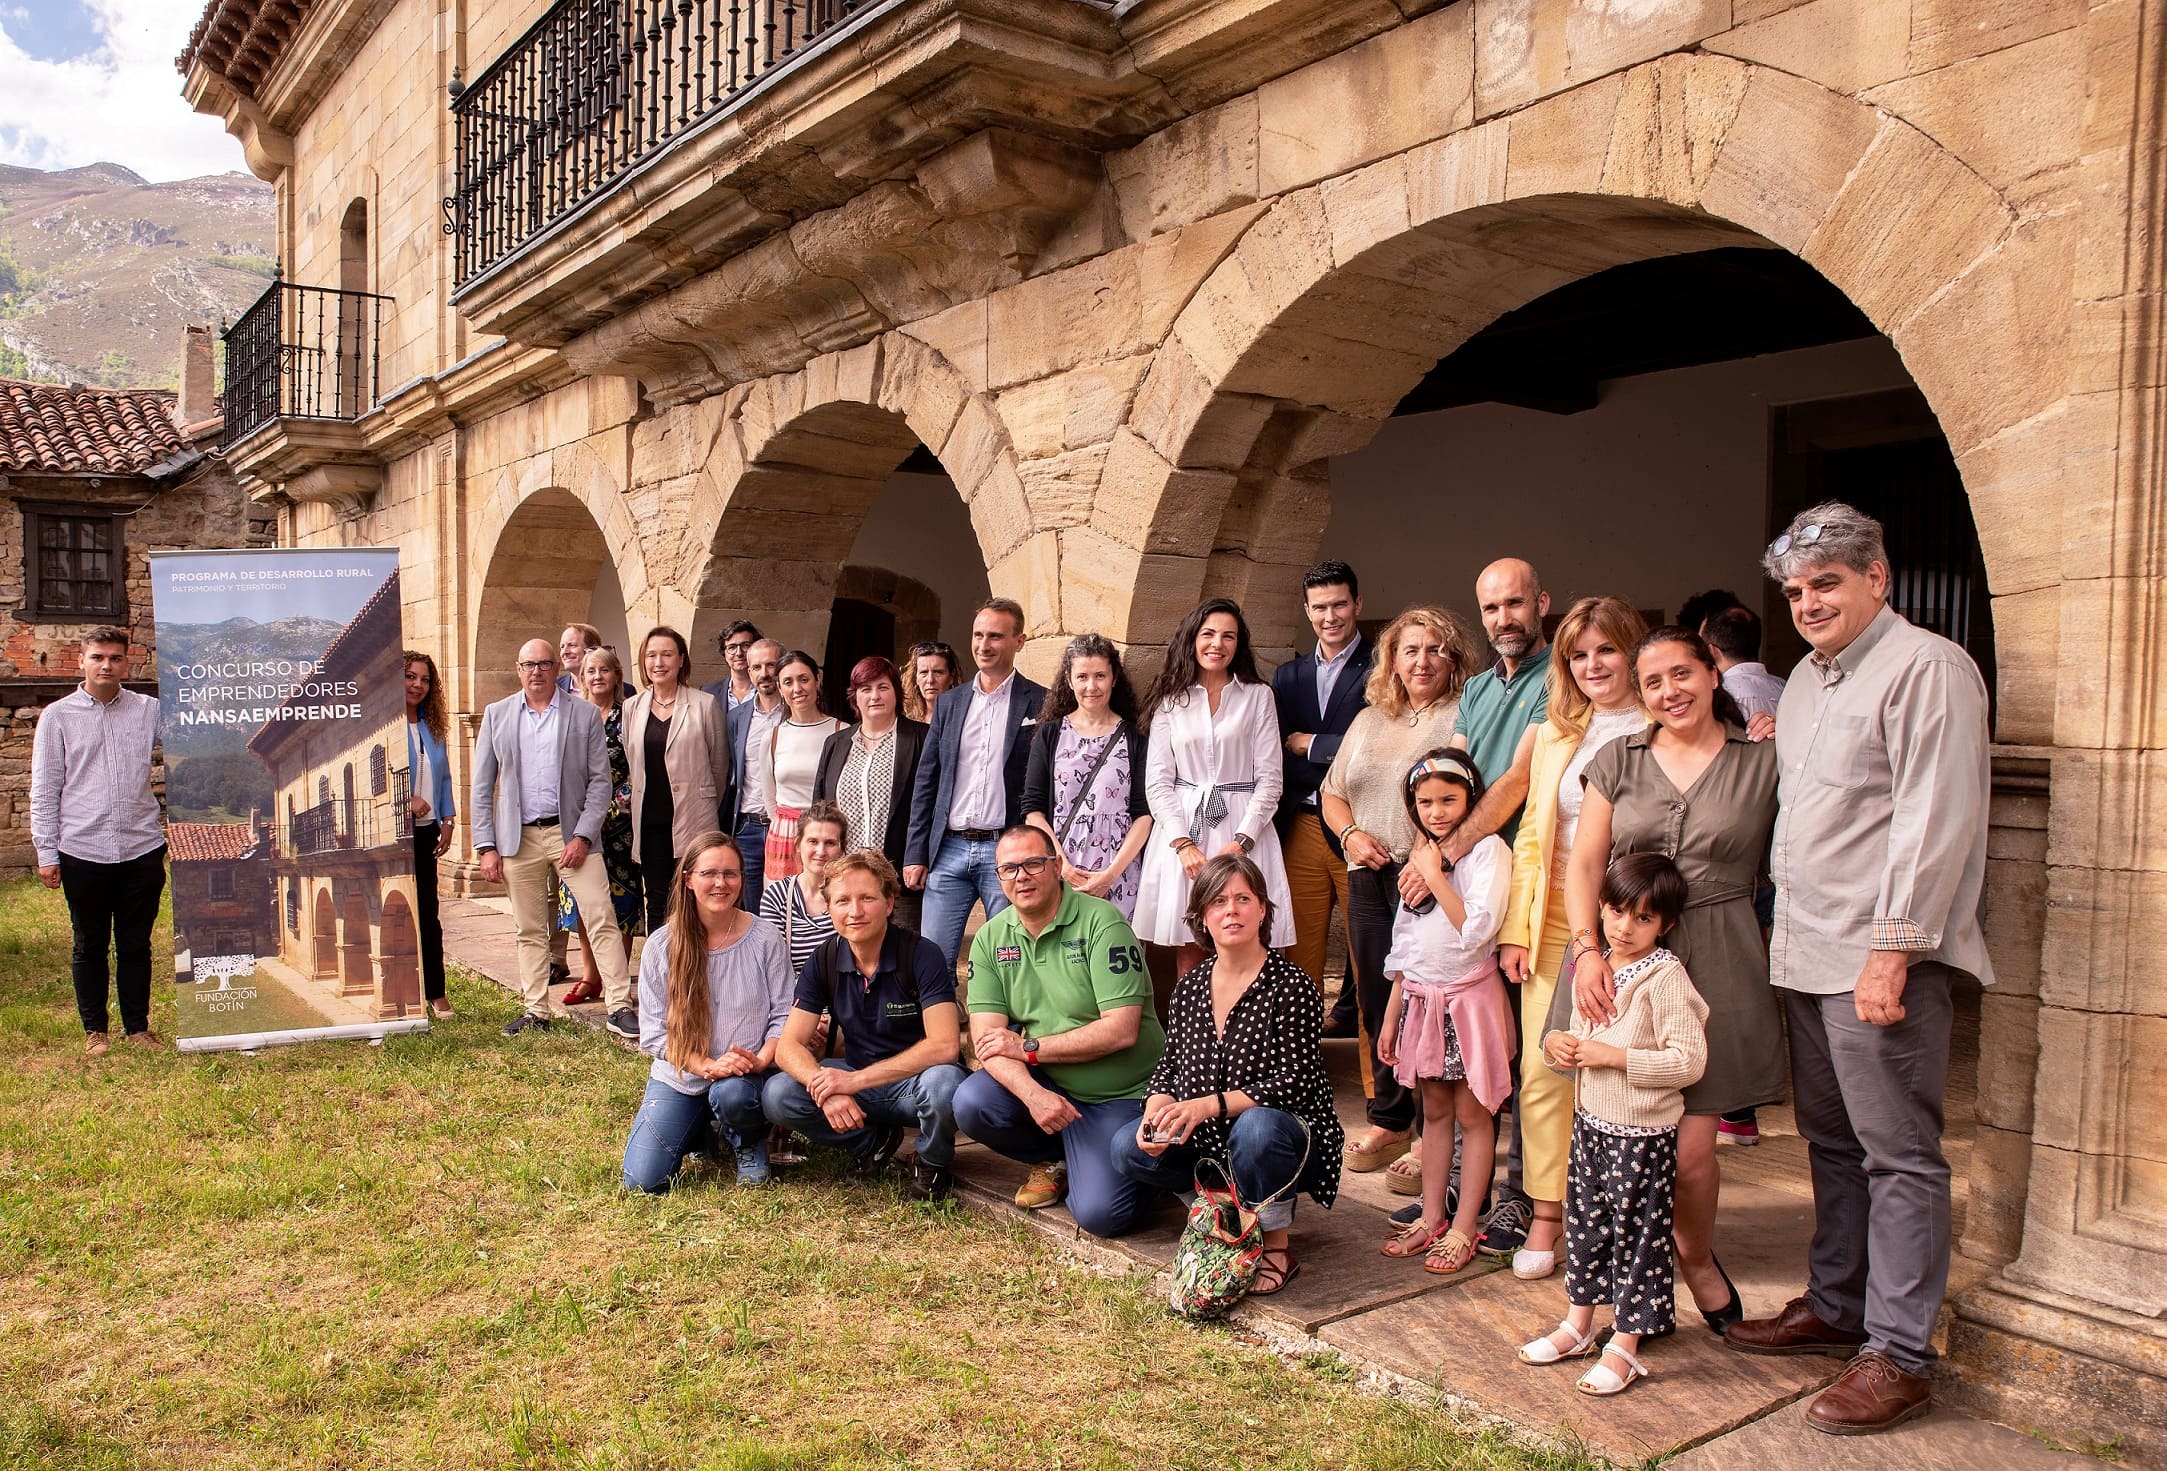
(1423, 660)
(1593, 701)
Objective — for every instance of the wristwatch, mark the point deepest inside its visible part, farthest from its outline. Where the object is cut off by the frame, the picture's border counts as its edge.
(1030, 1052)
(1246, 843)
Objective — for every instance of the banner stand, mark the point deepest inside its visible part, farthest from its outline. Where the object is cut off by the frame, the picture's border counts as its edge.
(251, 1041)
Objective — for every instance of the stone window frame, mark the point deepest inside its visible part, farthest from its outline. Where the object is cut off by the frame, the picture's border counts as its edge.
(218, 882)
(33, 608)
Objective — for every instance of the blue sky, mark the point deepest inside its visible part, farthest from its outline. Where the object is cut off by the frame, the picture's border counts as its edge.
(92, 81)
(274, 591)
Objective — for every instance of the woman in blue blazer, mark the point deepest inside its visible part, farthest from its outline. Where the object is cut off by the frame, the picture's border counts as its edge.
(429, 781)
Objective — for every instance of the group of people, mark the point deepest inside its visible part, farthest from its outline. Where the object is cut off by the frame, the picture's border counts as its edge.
(1619, 887)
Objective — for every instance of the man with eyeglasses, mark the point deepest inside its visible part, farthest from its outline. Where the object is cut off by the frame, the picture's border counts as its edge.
(1066, 1033)
(1879, 858)
(752, 722)
(736, 687)
(541, 790)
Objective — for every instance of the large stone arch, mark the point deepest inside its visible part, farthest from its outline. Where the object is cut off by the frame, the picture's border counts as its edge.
(541, 536)
(797, 460)
(1339, 298)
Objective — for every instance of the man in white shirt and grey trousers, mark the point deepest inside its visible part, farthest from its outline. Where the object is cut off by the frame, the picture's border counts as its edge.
(94, 822)
(544, 749)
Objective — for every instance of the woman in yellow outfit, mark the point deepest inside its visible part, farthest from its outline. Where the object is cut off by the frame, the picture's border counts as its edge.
(1593, 700)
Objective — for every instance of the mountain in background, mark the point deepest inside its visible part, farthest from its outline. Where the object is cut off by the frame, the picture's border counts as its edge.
(100, 271)
(301, 640)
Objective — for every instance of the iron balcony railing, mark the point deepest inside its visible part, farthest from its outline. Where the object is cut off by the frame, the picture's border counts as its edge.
(594, 88)
(340, 825)
(302, 352)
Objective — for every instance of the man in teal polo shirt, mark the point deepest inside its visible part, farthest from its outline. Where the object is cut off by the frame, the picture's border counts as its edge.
(1066, 1033)
(1506, 700)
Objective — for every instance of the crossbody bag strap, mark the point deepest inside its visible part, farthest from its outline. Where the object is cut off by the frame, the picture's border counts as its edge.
(1083, 794)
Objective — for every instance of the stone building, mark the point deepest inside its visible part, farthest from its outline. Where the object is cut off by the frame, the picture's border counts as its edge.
(92, 480)
(344, 867)
(632, 312)
(223, 880)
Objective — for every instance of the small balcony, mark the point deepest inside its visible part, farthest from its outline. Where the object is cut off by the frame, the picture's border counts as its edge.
(303, 363)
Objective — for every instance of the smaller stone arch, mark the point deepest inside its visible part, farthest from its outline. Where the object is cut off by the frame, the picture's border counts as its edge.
(400, 956)
(543, 534)
(798, 460)
(325, 929)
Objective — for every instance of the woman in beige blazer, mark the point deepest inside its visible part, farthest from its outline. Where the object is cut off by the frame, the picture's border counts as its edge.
(683, 732)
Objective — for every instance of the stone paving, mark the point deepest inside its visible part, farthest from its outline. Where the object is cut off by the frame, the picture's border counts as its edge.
(1459, 1333)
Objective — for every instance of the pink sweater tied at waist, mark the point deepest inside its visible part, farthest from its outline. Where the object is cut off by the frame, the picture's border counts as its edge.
(1482, 1019)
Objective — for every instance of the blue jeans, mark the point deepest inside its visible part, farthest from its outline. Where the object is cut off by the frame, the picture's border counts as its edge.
(1267, 1148)
(925, 1103)
(668, 1123)
(1103, 1202)
(961, 871)
(751, 838)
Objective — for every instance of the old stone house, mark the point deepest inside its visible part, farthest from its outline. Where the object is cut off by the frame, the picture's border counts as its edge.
(92, 480)
(840, 315)
(343, 867)
(222, 878)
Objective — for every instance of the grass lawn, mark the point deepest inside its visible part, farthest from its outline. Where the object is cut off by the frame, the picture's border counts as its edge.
(417, 1254)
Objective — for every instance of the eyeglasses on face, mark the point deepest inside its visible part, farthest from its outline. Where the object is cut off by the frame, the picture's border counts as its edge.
(737, 645)
(530, 666)
(1806, 537)
(1032, 866)
(713, 875)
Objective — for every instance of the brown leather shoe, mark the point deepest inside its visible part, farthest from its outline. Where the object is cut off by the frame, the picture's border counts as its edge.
(95, 1044)
(1795, 1330)
(1871, 1394)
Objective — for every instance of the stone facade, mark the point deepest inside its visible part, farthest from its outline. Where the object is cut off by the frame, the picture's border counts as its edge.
(1135, 275)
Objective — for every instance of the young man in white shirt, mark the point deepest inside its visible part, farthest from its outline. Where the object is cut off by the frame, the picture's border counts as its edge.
(99, 838)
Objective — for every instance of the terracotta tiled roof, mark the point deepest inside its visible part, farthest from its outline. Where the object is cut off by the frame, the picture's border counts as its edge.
(209, 842)
(65, 429)
(243, 39)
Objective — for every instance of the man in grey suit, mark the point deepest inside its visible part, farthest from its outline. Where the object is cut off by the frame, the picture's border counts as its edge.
(545, 749)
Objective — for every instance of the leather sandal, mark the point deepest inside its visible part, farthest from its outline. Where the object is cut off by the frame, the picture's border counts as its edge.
(1365, 1159)
(1449, 1254)
(1413, 1239)
(1545, 1350)
(1603, 1381)
(1404, 1175)
(582, 992)
(1283, 1271)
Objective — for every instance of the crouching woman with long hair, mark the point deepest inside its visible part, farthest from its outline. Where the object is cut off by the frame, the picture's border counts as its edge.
(715, 988)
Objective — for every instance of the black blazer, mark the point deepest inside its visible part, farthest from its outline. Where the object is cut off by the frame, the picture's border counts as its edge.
(1038, 772)
(1294, 692)
(935, 792)
(909, 743)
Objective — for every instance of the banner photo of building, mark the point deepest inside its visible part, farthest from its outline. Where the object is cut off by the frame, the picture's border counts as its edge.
(288, 826)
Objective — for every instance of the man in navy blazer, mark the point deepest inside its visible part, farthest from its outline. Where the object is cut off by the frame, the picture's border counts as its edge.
(1318, 695)
(970, 779)
(541, 790)
(744, 813)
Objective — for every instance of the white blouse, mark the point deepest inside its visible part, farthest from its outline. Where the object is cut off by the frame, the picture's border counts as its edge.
(789, 764)
(1607, 726)
(1429, 946)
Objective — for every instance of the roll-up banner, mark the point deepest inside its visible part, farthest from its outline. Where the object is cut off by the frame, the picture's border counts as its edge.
(289, 829)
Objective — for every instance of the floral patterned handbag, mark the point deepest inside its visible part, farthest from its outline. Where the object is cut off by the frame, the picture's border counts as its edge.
(1220, 1249)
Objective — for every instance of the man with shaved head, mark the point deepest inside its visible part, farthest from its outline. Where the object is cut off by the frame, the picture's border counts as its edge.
(541, 790)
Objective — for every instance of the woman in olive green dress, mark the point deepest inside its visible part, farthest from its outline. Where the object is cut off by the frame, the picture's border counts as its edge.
(1693, 787)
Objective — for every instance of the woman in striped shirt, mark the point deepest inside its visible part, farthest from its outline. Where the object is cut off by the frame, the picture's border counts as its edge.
(796, 907)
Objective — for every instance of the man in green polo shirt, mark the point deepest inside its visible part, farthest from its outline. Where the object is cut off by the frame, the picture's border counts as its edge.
(1506, 700)
(1066, 1033)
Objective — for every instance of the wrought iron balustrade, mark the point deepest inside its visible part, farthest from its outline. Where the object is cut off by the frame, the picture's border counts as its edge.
(302, 352)
(594, 88)
(340, 825)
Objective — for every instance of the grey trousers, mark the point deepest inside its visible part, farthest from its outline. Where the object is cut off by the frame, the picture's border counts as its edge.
(1869, 1103)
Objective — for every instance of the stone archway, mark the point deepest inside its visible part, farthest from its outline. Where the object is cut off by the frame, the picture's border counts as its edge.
(324, 921)
(401, 960)
(1340, 296)
(542, 538)
(357, 968)
(794, 464)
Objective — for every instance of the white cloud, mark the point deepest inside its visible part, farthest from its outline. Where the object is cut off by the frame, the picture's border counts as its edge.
(119, 103)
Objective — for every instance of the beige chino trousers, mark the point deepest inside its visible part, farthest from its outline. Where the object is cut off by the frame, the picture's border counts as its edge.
(532, 875)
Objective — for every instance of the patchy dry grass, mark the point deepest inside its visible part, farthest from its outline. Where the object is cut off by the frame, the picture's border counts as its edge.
(417, 1254)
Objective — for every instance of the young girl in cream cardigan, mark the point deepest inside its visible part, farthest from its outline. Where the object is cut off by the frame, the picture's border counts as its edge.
(1631, 1075)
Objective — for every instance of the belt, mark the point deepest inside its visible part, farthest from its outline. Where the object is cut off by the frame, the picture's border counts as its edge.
(550, 821)
(975, 834)
(1212, 810)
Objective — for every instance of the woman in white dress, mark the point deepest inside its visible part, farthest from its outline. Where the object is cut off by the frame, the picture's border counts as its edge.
(1213, 775)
